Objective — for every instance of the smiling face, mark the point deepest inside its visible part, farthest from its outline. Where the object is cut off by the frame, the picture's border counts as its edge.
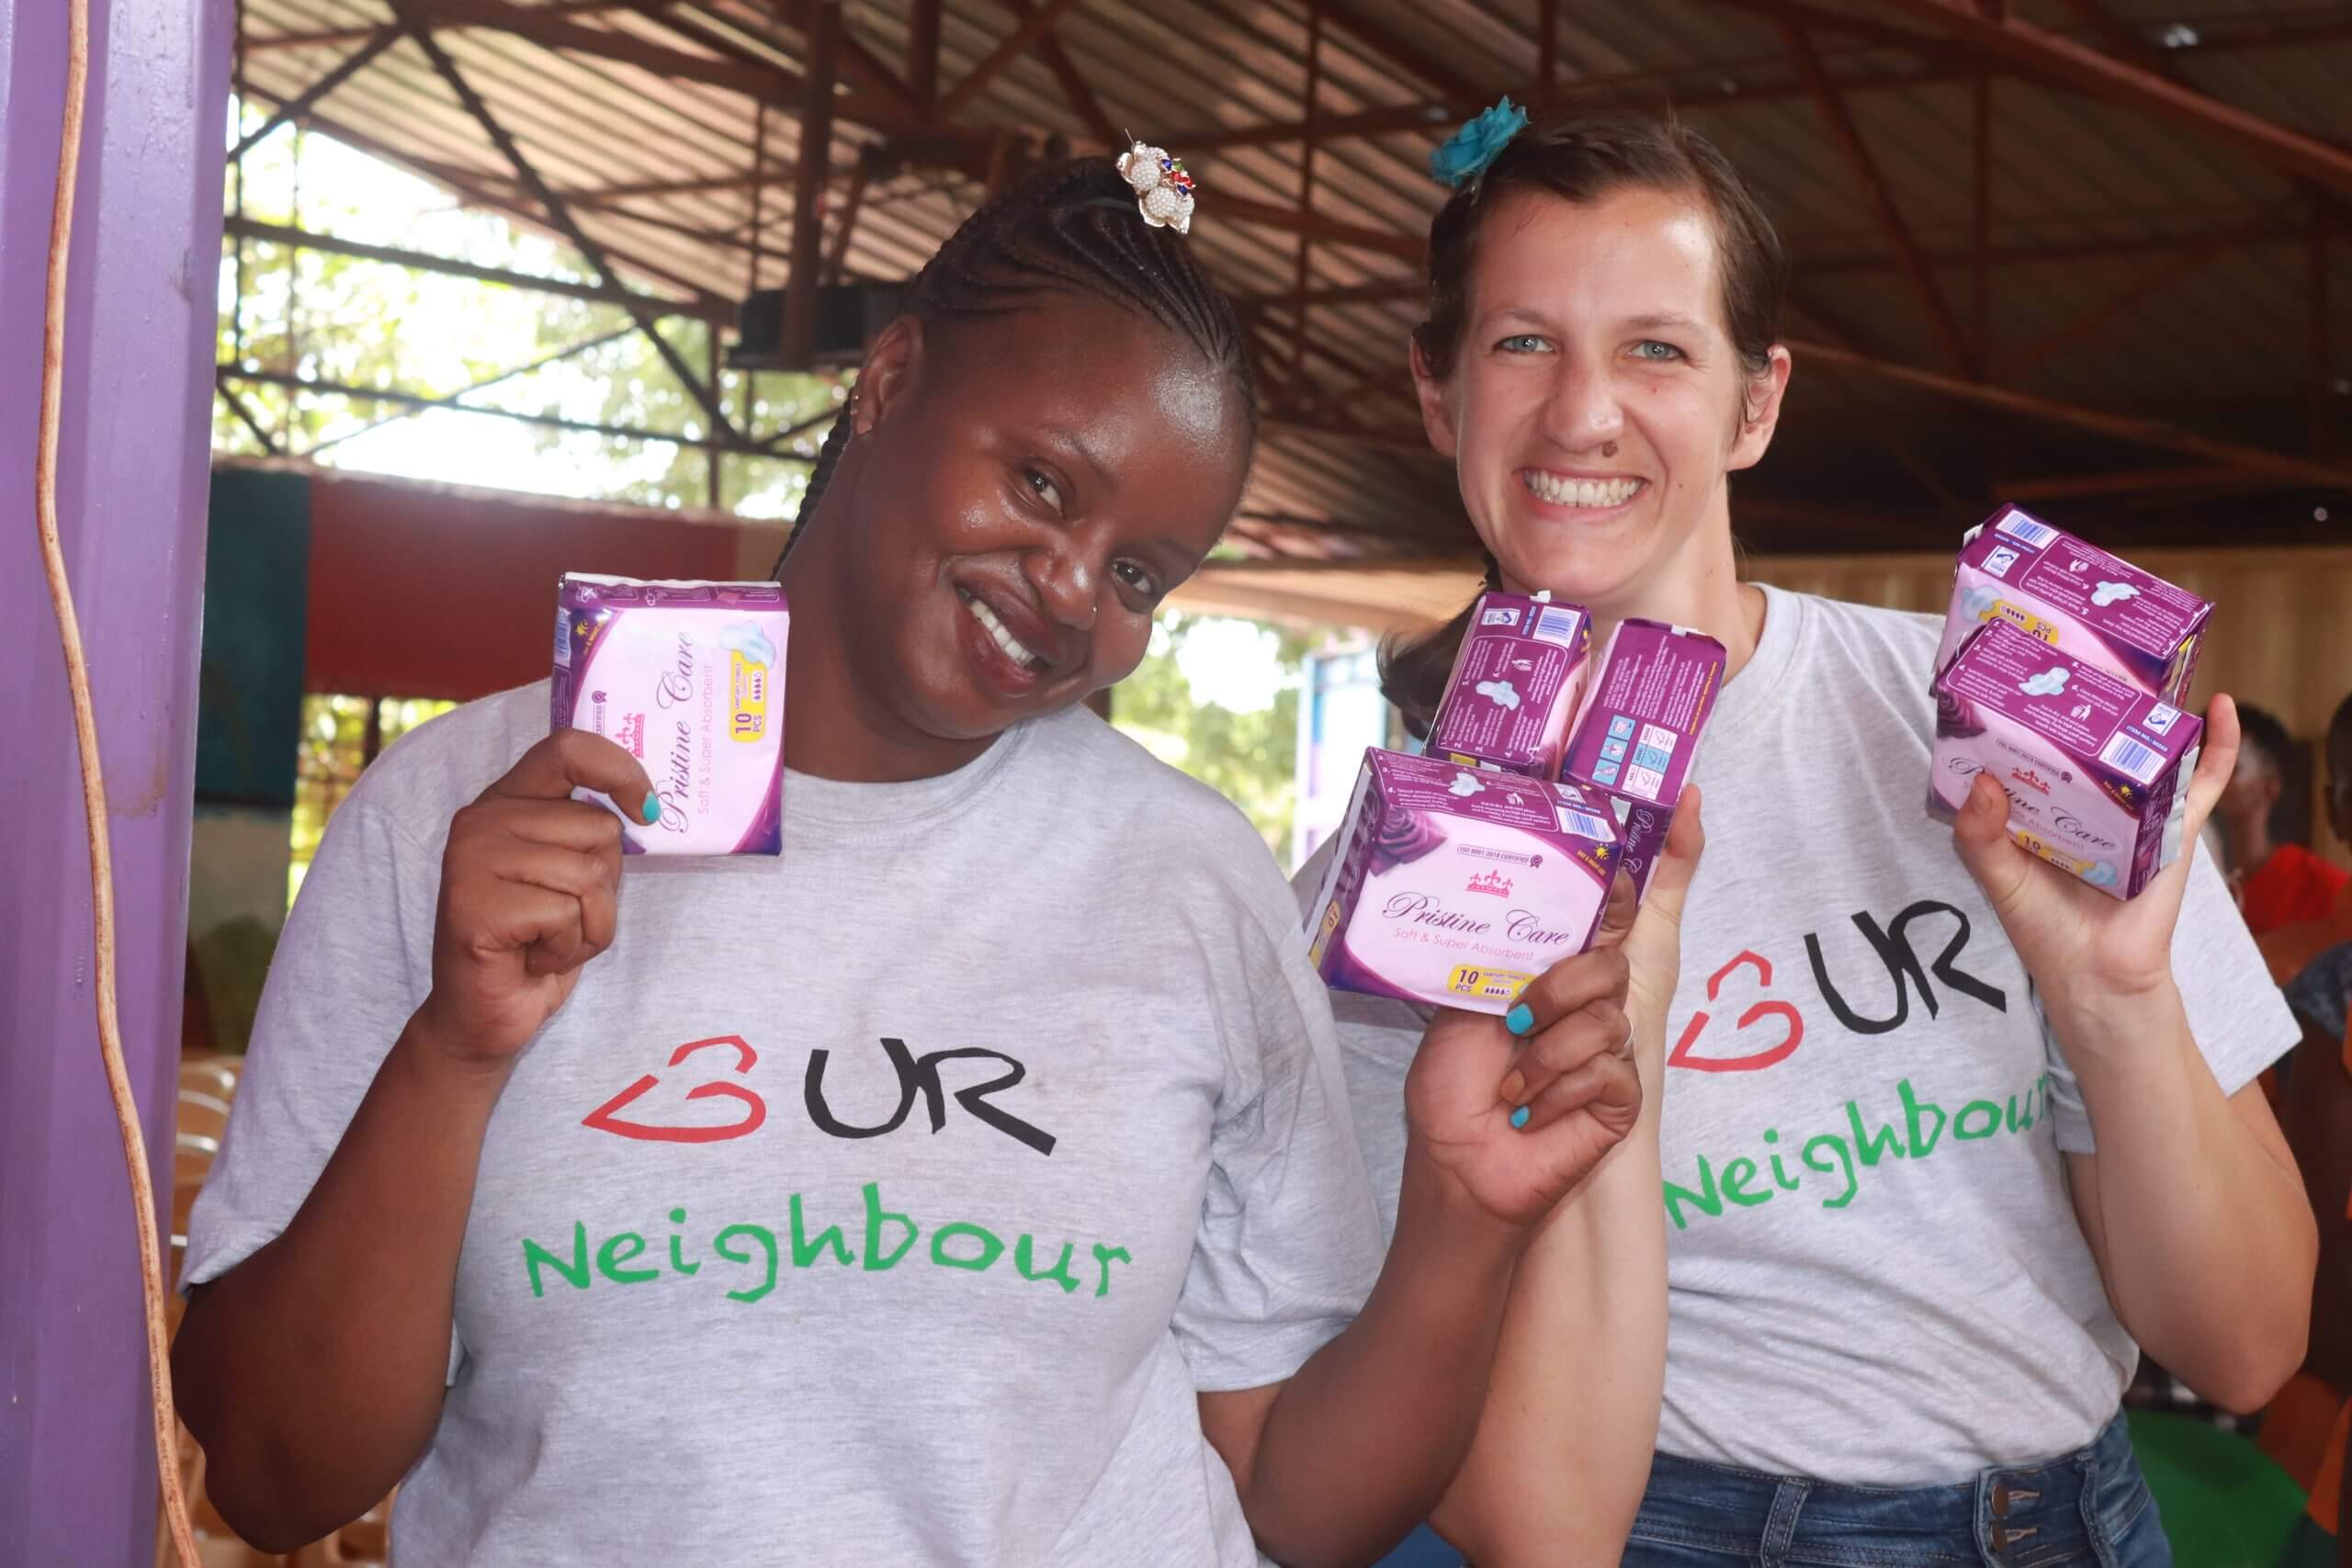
(1596, 403)
(1020, 491)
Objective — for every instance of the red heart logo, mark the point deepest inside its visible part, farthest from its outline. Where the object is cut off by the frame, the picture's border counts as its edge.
(606, 1118)
(1757, 1060)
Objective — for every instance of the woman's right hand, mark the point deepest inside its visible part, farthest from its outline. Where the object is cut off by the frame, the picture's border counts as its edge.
(529, 890)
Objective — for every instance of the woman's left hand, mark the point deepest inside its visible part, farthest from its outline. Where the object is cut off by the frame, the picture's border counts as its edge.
(2074, 939)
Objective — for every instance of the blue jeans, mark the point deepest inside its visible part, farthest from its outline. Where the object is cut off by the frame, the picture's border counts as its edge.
(2089, 1509)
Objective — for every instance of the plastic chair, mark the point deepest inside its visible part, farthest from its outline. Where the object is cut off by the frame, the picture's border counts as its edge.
(365, 1540)
(204, 1114)
(203, 1118)
(215, 1076)
(2225, 1503)
(192, 1155)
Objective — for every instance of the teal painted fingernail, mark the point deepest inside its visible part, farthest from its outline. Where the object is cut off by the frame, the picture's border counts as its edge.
(1519, 1117)
(651, 811)
(1519, 1020)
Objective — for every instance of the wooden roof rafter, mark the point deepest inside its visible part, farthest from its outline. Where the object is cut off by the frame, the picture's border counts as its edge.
(980, 76)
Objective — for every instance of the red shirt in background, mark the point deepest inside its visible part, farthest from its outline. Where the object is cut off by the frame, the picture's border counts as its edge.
(2293, 886)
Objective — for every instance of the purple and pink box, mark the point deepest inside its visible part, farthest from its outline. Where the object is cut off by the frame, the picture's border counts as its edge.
(2092, 606)
(1457, 885)
(688, 678)
(1465, 872)
(1516, 681)
(1636, 734)
(2062, 675)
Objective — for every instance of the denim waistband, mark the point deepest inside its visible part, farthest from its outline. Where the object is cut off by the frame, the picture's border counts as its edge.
(2063, 1509)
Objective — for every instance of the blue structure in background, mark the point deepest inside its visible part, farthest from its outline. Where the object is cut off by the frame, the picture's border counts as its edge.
(1343, 714)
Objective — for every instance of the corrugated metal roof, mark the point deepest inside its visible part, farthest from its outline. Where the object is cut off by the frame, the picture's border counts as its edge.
(2224, 348)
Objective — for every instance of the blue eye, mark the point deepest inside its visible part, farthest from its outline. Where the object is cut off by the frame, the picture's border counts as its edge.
(1655, 351)
(1525, 343)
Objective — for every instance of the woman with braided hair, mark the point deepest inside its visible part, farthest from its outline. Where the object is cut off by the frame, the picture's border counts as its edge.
(594, 1208)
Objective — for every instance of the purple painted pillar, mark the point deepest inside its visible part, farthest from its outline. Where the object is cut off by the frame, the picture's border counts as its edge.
(77, 1473)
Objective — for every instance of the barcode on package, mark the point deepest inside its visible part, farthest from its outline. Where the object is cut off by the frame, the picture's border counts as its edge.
(2038, 534)
(1584, 824)
(1556, 625)
(2126, 755)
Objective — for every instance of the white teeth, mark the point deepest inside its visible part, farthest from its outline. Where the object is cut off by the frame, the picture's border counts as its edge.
(1014, 649)
(1561, 492)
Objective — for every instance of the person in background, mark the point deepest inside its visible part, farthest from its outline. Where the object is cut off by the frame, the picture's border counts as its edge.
(1946, 1135)
(2306, 1428)
(2281, 884)
(2289, 949)
(2338, 796)
(2342, 1491)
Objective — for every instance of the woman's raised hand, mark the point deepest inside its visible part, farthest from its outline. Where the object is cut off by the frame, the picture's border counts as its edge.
(529, 889)
(2073, 939)
(1569, 1065)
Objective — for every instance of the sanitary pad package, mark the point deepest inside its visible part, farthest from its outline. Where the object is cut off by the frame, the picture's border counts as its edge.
(2097, 771)
(1515, 685)
(1637, 734)
(1457, 885)
(688, 678)
(2077, 599)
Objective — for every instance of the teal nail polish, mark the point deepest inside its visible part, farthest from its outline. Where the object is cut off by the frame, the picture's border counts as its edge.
(651, 811)
(1519, 1020)
(1519, 1117)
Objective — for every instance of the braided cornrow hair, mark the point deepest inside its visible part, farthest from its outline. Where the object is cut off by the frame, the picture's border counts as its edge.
(1071, 226)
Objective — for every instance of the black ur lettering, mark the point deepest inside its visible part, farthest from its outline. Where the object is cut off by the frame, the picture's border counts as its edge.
(1895, 954)
(920, 1074)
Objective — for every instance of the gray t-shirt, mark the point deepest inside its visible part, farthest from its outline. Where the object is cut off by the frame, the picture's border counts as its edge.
(885, 1202)
(1875, 1275)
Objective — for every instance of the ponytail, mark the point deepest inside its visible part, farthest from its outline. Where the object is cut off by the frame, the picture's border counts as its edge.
(1414, 670)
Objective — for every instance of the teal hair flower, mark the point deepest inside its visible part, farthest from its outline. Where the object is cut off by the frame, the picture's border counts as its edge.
(1465, 155)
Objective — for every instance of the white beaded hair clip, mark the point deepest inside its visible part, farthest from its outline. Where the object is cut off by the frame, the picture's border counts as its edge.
(1163, 190)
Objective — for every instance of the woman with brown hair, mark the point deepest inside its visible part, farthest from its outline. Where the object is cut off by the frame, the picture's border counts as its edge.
(1905, 1285)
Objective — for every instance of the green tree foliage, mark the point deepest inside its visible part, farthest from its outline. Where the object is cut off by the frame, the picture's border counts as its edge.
(331, 753)
(328, 317)
(1248, 758)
